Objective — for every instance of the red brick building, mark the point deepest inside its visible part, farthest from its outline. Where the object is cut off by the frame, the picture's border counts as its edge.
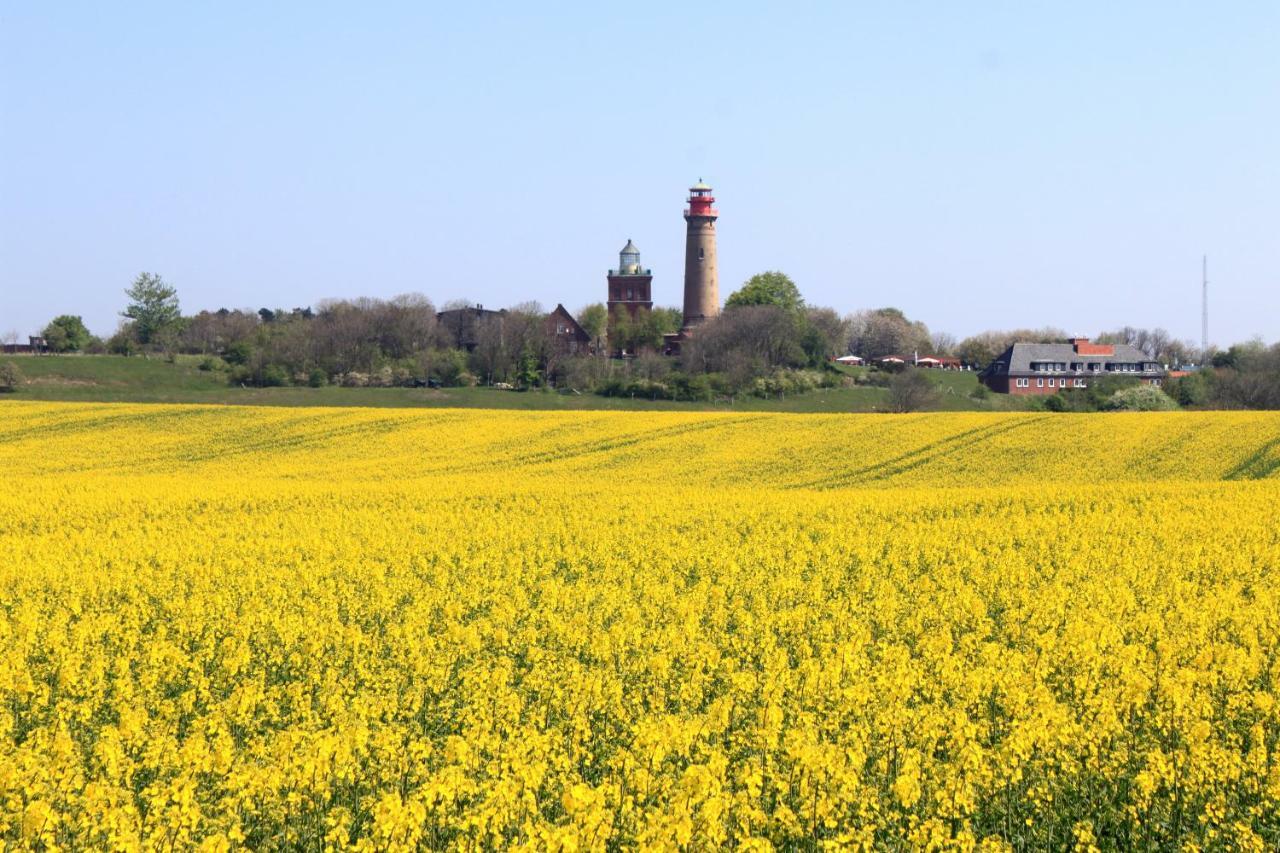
(568, 334)
(1050, 368)
(630, 291)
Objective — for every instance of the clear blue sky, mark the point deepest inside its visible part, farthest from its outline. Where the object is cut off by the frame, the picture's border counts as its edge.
(979, 165)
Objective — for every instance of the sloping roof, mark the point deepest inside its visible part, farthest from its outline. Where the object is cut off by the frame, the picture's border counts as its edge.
(577, 329)
(1019, 357)
(629, 249)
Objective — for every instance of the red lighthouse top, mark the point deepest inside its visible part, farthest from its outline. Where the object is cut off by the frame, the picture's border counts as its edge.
(701, 201)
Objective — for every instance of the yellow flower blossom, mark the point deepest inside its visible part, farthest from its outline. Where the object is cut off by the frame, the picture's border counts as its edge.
(237, 628)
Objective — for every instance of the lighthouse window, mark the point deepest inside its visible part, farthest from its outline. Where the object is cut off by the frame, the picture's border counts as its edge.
(700, 255)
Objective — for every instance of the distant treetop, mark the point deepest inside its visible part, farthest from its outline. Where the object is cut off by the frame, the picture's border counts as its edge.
(767, 288)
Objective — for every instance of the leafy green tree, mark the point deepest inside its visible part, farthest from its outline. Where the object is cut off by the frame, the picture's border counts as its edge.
(824, 335)
(528, 375)
(594, 320)
(767, 288)
(619, 329)
(667, 320)
(66, 333)
(1191, 390)
(153, 306)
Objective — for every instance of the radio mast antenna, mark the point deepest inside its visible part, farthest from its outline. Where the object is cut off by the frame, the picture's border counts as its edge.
(1204, 307)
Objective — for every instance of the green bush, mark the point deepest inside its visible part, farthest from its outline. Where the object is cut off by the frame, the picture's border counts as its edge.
(238, 353)
(622, 386)
(316, 378)
(449, 367)
(273, 376)
(1191, 390)
(122, 343)
(690, 387)
(268, 376)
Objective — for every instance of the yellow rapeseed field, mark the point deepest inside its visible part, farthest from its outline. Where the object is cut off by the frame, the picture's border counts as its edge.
(327, 629)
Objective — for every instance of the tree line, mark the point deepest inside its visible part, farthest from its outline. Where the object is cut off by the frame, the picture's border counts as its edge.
(767, 340)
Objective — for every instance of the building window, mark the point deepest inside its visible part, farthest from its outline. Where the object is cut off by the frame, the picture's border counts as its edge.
(701, 255)
(1039, 383)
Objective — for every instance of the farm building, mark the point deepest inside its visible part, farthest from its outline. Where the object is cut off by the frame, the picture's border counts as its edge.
(35, 346)
(1049, 368)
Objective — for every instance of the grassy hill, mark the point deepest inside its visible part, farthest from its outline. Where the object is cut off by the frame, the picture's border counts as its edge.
(123, 379)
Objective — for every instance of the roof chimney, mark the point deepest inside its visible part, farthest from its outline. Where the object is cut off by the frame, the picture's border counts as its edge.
(1083, 347)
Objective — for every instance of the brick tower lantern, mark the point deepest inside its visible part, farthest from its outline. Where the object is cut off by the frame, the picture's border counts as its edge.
(630, 289)
(701, 282)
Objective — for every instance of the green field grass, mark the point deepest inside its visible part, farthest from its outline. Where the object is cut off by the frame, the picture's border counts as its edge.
(121, 379)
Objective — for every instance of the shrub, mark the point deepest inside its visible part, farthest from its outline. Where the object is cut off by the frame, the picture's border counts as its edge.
(622, 386)
(1140, 398)
(383, 377)
(449, 367)
(122, 343)
(238, 353)
(10, 377)
(690, 387)
(268, 376)
(782, 382)
(273, 376)
(316, 378)
(910, 391)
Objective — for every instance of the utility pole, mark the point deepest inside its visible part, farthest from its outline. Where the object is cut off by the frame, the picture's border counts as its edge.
(1204, 307)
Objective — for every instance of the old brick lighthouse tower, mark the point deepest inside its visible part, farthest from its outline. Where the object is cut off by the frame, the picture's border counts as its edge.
(630, 294)
(701, 282)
